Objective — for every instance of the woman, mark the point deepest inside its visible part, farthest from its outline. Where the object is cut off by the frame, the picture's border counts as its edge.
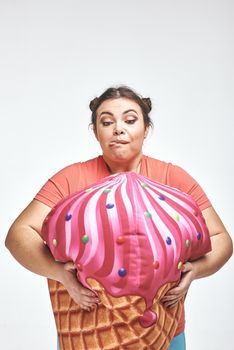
(121, 122)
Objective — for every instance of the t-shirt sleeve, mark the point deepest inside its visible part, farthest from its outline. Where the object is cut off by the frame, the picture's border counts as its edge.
(180, 179)
(57, 187)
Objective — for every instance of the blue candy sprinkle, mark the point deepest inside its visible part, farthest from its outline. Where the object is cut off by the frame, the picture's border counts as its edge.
(199, 235)
(161, 197)
(110, 206)
(68, 217)
(122, 272)
(168, 240)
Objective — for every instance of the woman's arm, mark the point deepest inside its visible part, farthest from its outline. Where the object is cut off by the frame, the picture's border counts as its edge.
(222, 249)
(25, 244)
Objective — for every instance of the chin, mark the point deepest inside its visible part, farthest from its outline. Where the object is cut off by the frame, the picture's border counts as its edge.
(120, 157)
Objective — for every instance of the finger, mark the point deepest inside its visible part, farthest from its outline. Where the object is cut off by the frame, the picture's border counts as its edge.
(168, 298)
(93, 306)
(170, 304)
(86, 308)
(89, 300)
(173, 304)
(87, 292)
(80, 298)
(86, 303)
(174, 291)
(171, 298)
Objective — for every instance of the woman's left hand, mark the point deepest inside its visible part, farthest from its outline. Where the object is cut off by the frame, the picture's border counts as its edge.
(176, 293)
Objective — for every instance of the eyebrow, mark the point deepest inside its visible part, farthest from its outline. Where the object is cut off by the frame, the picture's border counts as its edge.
(125, 112)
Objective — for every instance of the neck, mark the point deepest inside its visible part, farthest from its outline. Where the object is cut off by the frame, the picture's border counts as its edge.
(124, 165)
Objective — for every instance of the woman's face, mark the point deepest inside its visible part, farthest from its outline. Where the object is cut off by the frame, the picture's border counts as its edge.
(120, 128)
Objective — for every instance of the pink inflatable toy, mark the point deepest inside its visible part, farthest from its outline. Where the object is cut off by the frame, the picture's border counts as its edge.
(129, 233)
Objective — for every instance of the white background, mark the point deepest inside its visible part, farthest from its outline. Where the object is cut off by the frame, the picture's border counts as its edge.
(55, 56)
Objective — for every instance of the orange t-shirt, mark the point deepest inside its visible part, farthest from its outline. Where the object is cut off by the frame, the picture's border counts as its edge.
(79, 175)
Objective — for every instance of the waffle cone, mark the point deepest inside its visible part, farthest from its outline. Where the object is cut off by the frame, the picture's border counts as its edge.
(114, 324)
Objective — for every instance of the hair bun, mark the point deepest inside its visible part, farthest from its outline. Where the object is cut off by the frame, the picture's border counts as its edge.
(93, 104)
(147, 102)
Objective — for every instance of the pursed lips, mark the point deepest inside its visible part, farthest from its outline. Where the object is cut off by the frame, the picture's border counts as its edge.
(118, 142)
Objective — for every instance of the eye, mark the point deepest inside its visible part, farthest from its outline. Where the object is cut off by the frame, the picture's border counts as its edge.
(106, 123)
(130, 121)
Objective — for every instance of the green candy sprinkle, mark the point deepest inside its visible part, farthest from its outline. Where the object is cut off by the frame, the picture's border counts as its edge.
(188, 243)
(144, 184)
(85, 239)
(54, 242)
(107, 190)
(147, 214)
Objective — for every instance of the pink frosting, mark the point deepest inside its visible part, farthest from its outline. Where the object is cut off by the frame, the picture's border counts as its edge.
(129, 233)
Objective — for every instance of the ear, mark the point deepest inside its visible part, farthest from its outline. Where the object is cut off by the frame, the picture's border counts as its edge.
(146, 132)
(95, 133)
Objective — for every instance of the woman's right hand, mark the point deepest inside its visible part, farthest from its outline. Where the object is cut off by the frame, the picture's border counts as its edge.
(86, 299)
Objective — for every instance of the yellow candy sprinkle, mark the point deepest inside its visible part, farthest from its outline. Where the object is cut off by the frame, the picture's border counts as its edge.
(176, 217)
(180, 264)
(89, 190)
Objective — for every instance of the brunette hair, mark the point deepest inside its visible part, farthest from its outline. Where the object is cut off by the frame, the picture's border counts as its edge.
(122, 91)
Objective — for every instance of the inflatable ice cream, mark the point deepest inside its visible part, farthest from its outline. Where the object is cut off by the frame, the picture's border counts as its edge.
(130, 234)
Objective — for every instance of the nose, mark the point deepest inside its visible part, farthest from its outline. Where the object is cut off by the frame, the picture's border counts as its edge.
(118, 130)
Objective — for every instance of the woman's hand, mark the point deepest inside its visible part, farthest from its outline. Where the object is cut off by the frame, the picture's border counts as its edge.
(86, 299)
(175, 294)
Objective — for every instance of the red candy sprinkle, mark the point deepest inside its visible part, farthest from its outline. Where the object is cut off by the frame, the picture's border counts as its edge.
(120, 240)
(156, 264)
